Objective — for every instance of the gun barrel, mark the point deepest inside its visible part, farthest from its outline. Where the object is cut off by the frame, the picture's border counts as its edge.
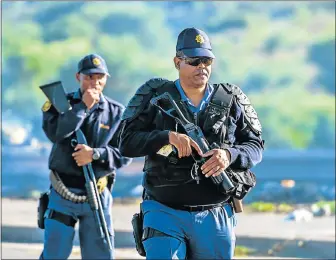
(93, 193)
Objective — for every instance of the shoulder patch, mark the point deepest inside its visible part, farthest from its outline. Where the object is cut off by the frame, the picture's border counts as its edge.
(46, 106)
(141, 97)
(248, 110)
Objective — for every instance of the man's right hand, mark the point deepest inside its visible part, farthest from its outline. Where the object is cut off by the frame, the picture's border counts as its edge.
(183, 144)
(90, 97)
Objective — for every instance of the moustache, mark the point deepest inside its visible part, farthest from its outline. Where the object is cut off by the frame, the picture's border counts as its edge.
(201, 73)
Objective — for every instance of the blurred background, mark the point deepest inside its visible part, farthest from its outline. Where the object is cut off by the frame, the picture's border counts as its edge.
(282, 55)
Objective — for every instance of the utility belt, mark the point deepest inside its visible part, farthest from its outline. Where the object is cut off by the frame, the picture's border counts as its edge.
(198, 207)
(190, 208)
(63, 190)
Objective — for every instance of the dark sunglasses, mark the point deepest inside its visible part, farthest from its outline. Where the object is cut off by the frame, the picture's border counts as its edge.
(197, 61)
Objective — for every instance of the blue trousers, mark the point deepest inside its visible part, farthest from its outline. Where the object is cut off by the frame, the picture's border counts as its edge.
(205, 234)
(58, 237)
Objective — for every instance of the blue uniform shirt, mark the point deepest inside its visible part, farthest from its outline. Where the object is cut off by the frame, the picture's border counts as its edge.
(205, 100)
(98, 125)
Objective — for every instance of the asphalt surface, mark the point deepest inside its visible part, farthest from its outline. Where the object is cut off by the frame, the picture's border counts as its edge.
(268, 234)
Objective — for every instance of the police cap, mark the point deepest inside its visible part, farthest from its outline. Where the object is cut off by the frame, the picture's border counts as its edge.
(194, 43)
(92, 64)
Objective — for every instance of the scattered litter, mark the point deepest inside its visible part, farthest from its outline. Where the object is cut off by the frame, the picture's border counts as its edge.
(299, 215)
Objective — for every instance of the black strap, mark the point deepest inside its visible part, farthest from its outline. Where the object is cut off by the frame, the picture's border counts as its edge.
(151, 232)
(60, 217)
(221, 98)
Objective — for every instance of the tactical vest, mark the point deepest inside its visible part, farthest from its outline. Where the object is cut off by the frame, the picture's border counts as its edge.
(213, 120)
(172, 170)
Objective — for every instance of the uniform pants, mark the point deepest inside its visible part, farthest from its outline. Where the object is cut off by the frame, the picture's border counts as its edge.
(58, 237)
(207, 234)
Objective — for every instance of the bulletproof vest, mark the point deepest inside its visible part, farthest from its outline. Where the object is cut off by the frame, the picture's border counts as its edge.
(171, 170)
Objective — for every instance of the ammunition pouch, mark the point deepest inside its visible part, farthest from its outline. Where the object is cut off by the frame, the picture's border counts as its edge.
(137, 224)
(60, 188)
(243, 181)
(41, 209)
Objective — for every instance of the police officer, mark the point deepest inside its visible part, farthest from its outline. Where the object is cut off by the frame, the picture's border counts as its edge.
(185, 216)
(98, 117)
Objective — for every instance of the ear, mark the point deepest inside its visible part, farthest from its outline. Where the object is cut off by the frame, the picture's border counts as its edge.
(177, 63)
(77, 76)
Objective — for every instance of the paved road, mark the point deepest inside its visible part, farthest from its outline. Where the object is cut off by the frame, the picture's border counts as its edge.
(268, 234)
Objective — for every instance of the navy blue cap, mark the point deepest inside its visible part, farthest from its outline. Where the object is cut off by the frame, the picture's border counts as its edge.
(92, 64)
(194, 43)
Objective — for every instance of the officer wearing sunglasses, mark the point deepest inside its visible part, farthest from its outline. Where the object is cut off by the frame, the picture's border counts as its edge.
(184, 216)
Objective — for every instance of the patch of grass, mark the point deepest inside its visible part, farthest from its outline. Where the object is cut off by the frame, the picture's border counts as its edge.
(260, 206)
(284, 208)
(243, 251)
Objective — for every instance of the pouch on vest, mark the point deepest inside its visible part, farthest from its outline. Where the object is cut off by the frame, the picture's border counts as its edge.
(243, 181)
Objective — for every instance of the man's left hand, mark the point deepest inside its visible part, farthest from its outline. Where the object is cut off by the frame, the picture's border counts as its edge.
(218, 162)
(83, 154)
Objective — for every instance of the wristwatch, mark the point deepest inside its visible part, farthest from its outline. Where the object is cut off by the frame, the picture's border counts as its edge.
(95, 155)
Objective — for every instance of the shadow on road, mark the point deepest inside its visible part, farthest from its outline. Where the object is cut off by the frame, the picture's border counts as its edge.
(15, 234)
(289, 248)
(262, 246)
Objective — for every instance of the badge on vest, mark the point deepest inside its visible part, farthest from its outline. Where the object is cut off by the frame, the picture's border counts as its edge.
(165, 150)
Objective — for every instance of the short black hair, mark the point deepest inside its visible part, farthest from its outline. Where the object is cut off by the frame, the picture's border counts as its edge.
(180, 54)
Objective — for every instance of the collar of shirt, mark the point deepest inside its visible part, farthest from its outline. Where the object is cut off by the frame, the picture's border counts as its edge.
(102, 101)
(204, 101)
